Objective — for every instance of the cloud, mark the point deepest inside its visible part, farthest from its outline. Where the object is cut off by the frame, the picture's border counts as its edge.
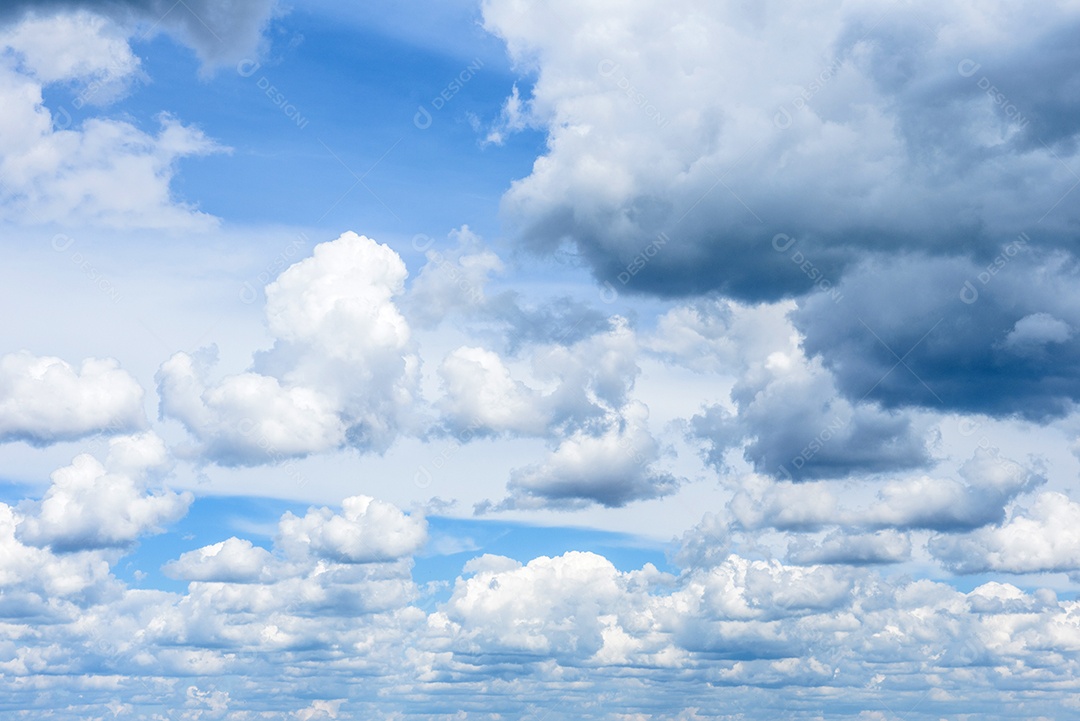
(788, 419)
(989, 483)
(104, 172)
(250, 640)
(950, 335)
(343, 370)
(44, 400)
(830, 135)
(91, 505)
(233, 560)
(706, 544)
(839, 547)
(480, 393)
(570, 607)
(612, 467)
(218, 32)
(1037, 330)
(78, 47)
(248, 418)
(1041, 538)
(451, 280)
(603, 451)
(949, 505)
(38, 583)
(367, 531)
(878, 166)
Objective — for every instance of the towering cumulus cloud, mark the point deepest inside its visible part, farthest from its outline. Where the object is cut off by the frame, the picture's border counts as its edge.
(342, 370)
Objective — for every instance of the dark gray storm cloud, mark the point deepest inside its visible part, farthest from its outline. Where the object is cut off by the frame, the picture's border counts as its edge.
(997, 338)
(219, 31)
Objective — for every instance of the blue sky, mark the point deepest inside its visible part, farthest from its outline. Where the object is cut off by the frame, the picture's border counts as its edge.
(504, 359)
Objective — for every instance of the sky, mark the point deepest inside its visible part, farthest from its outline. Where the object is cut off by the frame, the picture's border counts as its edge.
(506, 359)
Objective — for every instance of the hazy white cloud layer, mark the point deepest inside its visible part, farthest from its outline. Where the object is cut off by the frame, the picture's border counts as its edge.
(803, 446)
(44, 400)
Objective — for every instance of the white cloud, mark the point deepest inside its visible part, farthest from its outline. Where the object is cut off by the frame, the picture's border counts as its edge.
(233, 560)
(105, 172)
(367, 531)
(571, 606)
(572, 386)
(722, 336)
(707, 544)
(1044, 537)
(248, 418)
(343, 370)
(78, 47)
(340, 300)
(319, 710)
(947, 504)
(481, 393)
(44, 399)
(612, 466)
(990, 482)
(888, 546)
(451, 280)
(93, 505)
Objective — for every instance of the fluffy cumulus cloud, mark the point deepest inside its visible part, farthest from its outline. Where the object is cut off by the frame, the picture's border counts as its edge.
(328, 623)
(91, 504)
(481, 393)
(452, 280)
(342, 370)
(247, 417)
(44, 399)
(233, 560)
(580, 400)
(572, 384)
(101, 171)
(569, 607)
(368, 530)
(1041, 538)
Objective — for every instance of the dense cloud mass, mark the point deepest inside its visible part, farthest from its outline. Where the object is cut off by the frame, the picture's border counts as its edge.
(761, 404)
(832, 135)
(326, 615)
(950, 334)
(871, 143)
